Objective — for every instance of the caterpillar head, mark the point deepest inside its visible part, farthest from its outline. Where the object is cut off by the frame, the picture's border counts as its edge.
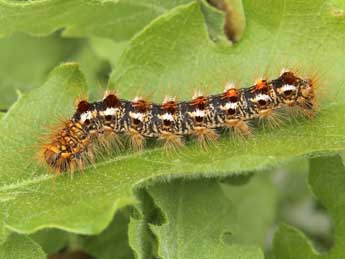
(295, 91)
(288, 89)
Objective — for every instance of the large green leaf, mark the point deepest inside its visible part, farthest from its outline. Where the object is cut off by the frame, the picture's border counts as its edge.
(174, 52)
(108, 49)
(327, 179)
(117, 20)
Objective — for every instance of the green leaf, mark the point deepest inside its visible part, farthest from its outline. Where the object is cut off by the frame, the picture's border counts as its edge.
(118, 20)
(94, 67)
(174, 50)
(20, 247)
(107, 49)
(112, 242)
(51, 240)
(199, 213)
(33, 58)
(141, 239)
(338, 7)
(291, 243)
(327, 179)
(26, 61)
(297, 206)
(253, 203)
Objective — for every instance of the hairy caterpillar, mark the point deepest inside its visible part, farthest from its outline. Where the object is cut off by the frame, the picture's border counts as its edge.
(101, 122)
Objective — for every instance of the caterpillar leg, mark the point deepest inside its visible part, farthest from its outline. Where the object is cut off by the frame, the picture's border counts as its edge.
(205, 136)
(270, 118)
(238, 127)
(171, 142)
(136, 140)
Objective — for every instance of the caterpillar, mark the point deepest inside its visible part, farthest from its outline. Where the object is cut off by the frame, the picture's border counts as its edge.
(101, 123)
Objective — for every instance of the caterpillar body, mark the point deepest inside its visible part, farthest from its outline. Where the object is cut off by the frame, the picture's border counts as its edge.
(101, 122)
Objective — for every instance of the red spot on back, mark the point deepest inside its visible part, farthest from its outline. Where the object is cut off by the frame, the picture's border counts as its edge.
(83, 106)
(140, 105)
(111, 101)
(199, 102)
(169, 107)
(261, 85)
(231, 94)
(288, 78)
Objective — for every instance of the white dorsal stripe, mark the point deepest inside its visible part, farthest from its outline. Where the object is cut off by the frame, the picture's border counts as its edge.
(137, 115)
(263, 97)
(167, 116)
(199, 113)
(288, 88)
(110, 111)
(230, 105)
(85, 116)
